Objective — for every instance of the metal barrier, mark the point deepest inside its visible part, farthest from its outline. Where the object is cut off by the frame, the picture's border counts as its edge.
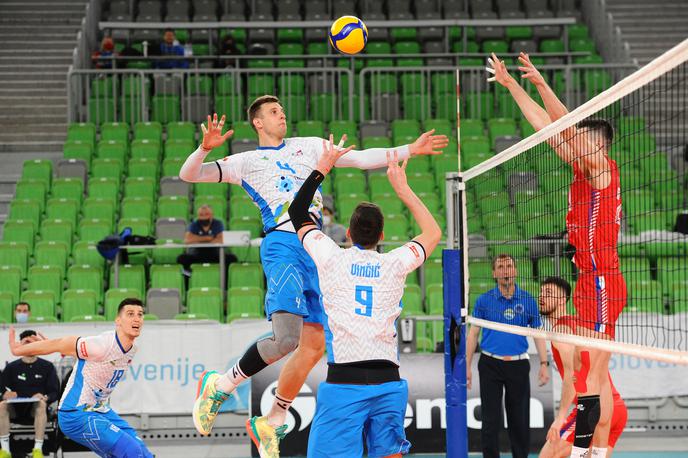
(608, 35)
(87, 37)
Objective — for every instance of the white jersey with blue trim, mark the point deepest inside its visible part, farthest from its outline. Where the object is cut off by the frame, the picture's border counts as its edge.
(101, 364)
(361, 294)
(273, 175)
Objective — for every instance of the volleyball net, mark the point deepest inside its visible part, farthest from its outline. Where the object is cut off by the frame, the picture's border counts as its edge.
(517, 202)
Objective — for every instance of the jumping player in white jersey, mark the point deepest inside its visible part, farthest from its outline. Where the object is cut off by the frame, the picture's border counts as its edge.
(84, 413)
(363, 397)
(271, 175)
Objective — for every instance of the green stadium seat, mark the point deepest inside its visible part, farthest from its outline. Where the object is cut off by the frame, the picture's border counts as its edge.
(646, 296)
(87, 277)
(339, 127)
(478, 105)
(190, 316)
(26, 210)
(63, 208)
(15, 254)
(246, 274)
(547, 267)
(171, 166)
(112, 149)
(225, 85)
(98, 208)
(205, 276)
(78, 302)
(21, 231)
(412, 300)
(167, 255)
(167, 276)
(6, 308)
(77, 149)
(144, 167)
(205, 301)
(94, 230)
(11, 281)
(140, 187)
(211, 189)
(43, 304)
(131, 276)
(495, 46)
(46, 278)
(166, 108)
(552, 46)
(114, 296)
(139, 226)
(670, 271)
(322, 107)
(85, 253)
(82, 132)
(87, 318)
(31, 189)
(421, 182)
(181, 131)
(230, 105)
(52, 253)
(244, 302)
(379, 184)
(246, 223)
(179, 148)
(106, 168)
(442, 126)
(310, 129)
(434, 299)
(347, 183)
(148, 131)
(136, 207)
(58, 230)
(117, 131)
(577, 31)
(173, 207)
(68, 188)
(291, 84)
(145, 148)
(38, 169)
(260, 84)
(199, 85)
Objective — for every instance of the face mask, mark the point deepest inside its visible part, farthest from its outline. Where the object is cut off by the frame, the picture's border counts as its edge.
(327, 219)
(204, 222)
(21, 317)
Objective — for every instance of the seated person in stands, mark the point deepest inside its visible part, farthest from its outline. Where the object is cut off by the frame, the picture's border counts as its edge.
(205, 229)
(228, 47)
(107, 50)
(27, 377)
(22, 312)
(171, 47)
(331, 228)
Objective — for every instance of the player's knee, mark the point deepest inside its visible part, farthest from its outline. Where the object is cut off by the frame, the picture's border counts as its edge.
(286, 344)
(130, 447)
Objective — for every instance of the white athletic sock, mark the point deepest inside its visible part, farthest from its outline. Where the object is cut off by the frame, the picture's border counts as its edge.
(579, 452)
(228, 382)
(278, 412)
(5, 442)
(598, 452)
(38, 444)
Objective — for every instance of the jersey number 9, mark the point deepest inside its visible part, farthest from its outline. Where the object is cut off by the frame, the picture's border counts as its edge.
(364, 296)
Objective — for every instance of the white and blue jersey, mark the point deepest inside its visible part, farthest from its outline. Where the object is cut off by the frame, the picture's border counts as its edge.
(84, 412)
(273, 175)
(363, 397)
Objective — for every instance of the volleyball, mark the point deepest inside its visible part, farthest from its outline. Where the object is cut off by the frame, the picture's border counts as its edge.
(348, 35)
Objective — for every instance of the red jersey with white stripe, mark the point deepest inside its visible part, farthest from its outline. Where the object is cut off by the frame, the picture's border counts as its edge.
(593, 221)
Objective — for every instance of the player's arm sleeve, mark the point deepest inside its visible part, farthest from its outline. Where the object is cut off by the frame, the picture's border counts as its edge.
(410, 256)
(371, 158)
(320, 247)
(52, 387)
(194, 170)
(92, 348)
(298, 209)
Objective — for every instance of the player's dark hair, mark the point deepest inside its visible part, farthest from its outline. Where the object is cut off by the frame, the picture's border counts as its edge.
(560, 283)
(601, 126)
(168, 30)
(28, 306)
(129, 301)
(27, 333)
(366, 224)
(255, 107)
(500, 257)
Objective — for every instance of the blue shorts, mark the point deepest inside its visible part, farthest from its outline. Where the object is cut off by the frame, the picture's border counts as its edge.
(106, 434)
(292, 277)
(346, 415)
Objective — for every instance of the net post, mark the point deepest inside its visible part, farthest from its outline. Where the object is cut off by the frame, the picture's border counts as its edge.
(454, 295)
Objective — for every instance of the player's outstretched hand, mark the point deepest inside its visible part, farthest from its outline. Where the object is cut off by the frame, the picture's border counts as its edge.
(16, 347)
(331, 154)
(498, 69)
(397, 174)
(212, 135)
(529, 71)
(428, 143)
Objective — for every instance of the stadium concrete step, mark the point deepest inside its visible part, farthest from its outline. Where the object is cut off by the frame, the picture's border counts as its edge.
(33, 118)
(28, 19)
(30, 129)
(38, 135)
(23, 6)
(30, 59)
(32, 92)
(53, 146)
(26, 109)
(63, 46)
(60, 82)
(37, 67)
(52, 100)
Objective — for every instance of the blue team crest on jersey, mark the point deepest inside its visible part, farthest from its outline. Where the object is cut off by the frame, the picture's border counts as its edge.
(285, 184)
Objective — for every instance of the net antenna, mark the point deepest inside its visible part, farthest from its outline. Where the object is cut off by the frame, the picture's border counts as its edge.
(654, 326)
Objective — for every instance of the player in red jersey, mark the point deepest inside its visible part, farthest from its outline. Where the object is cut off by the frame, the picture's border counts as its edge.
(554, 294)
(593, 223)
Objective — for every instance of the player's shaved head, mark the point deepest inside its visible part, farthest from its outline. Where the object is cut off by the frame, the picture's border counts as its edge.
(254, 109)
(366, 224)
(129, 301)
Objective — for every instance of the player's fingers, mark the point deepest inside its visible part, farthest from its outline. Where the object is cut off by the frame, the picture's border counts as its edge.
(491, 80)
(403, 164)
(42, 336)
(331, 141)
(389, 159)
(396, 157)
(203, 129)
(228, 134)
(222, 121)
(214, 119)
(342, 141)
(490, 70)
(344, 151)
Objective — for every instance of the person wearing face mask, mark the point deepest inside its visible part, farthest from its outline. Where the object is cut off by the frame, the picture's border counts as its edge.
(332, 229)
(205, 229)
(27, 377)
(22, 312)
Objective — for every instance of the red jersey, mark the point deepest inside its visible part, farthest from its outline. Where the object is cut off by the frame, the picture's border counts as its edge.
(593, 221)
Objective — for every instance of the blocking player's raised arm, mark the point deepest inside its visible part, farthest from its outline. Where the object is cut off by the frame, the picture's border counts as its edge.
(194, 169)
(430, 231)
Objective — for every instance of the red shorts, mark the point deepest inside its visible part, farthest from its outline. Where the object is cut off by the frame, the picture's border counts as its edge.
(599, 299)
(619, 417)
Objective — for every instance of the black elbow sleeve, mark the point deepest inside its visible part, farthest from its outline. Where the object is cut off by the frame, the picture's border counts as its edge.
(298, 210)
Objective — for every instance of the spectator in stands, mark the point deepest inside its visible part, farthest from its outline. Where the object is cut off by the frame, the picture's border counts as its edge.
(171, 47)
(332, 229)
(228, 47)
(205, 229)
(102, 56)
(22, 312)
(504, 365)
(27, 377)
